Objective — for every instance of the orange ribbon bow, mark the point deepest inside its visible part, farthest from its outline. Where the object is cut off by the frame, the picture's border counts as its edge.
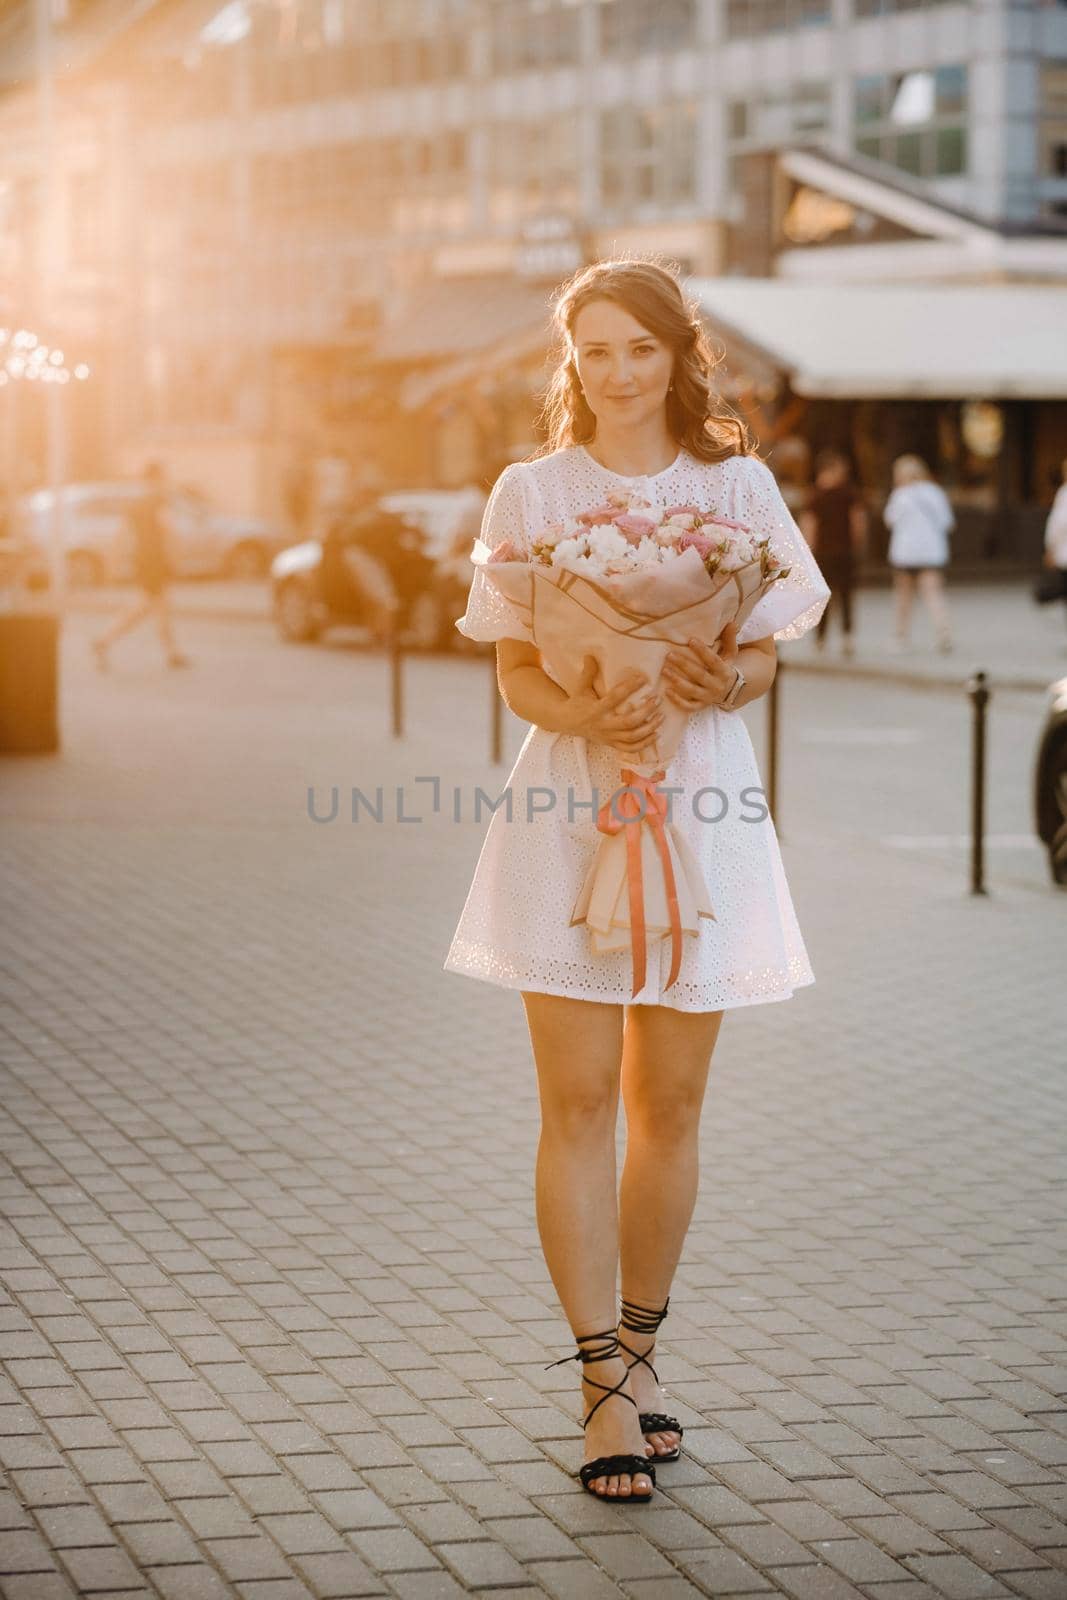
(627, 811)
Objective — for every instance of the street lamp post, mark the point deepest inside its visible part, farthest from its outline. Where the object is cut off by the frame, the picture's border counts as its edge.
(47, 242)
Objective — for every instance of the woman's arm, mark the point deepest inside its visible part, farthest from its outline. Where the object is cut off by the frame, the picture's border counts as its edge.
(528, 691)
(759, 663)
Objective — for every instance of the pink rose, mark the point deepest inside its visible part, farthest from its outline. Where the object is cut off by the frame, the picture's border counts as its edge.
(504, 551)
(633, 526)
(677, 511)
(602, 513)
(697, 542)
(724, 522)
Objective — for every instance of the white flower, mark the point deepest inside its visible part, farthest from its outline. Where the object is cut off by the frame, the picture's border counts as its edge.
(569, 552)
(607, 543)
(741, 552)
(648, 552)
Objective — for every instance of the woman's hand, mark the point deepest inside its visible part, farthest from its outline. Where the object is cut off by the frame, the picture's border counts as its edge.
(624, 717)
(701, 675)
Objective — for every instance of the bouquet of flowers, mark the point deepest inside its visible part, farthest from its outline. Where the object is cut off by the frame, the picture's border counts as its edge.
(625, 582)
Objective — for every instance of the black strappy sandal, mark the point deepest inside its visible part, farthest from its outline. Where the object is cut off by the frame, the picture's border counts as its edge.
(608, 1466)
(640, 1319)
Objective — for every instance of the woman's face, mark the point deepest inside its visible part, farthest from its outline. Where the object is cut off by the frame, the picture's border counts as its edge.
(624, 369)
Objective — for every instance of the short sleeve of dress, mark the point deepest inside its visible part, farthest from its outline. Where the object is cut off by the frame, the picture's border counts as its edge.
(488, 617)
(793, 605)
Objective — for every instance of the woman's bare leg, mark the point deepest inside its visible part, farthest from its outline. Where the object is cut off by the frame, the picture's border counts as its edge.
(932, 589)
(666, 1057)
(902, 597)
(161, 607)
(124, 622)
(577, 1047)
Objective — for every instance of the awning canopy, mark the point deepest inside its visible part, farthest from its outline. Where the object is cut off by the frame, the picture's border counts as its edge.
(889, 341)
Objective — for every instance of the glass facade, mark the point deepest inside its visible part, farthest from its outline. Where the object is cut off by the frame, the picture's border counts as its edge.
(748, 19)
(324, 49)
(631, 28)
(530, 35)
(533, 166)
(789, 116)
(647, 157)
(1053, 119)
(399, 185)
(916, 121)
(888, 8)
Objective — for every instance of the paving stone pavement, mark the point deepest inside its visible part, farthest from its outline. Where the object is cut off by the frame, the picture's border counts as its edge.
(275, 1318)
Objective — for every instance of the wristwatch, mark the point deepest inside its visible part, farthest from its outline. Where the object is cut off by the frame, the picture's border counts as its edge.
(739, 683)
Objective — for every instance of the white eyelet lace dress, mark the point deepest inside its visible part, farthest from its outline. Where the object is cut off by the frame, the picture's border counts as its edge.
(515, 926)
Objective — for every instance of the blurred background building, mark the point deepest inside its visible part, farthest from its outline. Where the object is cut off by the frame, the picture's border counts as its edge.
(289, 231)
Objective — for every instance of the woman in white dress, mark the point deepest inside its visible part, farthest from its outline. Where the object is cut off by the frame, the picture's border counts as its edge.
(630, 407)
(919, 516)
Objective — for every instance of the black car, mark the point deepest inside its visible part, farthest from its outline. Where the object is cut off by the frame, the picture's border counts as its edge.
(369, 568)
(1050, 783)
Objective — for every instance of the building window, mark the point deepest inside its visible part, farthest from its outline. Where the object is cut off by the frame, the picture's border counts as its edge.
(1053, 117)
(533, 166)
(399, 185)
(435, 197)
(318, 49)
(916, 121)
(800, 114)
(889, 8)
(648, 157)
(636, 27)
(748, 19)
(529, 35)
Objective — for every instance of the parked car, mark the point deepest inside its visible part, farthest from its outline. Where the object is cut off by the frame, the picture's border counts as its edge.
(1050, 782)
(203, 542)
(394, 548)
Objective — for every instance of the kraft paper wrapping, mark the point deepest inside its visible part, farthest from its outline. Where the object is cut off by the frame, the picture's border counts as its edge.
(645, 883)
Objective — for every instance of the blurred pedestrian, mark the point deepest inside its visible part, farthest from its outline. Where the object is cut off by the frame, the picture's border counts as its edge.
(1055, 557)
(834, 522)
(919, 516)
(151, 571)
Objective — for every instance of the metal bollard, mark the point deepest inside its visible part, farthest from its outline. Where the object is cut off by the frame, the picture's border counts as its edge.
(496, 714)
(979, 693)
(396, 682)
(772, 744)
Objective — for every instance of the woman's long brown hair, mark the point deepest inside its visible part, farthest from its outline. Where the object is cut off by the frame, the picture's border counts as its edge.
(651, 294)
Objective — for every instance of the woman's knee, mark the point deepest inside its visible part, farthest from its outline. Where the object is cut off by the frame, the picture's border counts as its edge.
(584, 1113)
(667, 1119)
